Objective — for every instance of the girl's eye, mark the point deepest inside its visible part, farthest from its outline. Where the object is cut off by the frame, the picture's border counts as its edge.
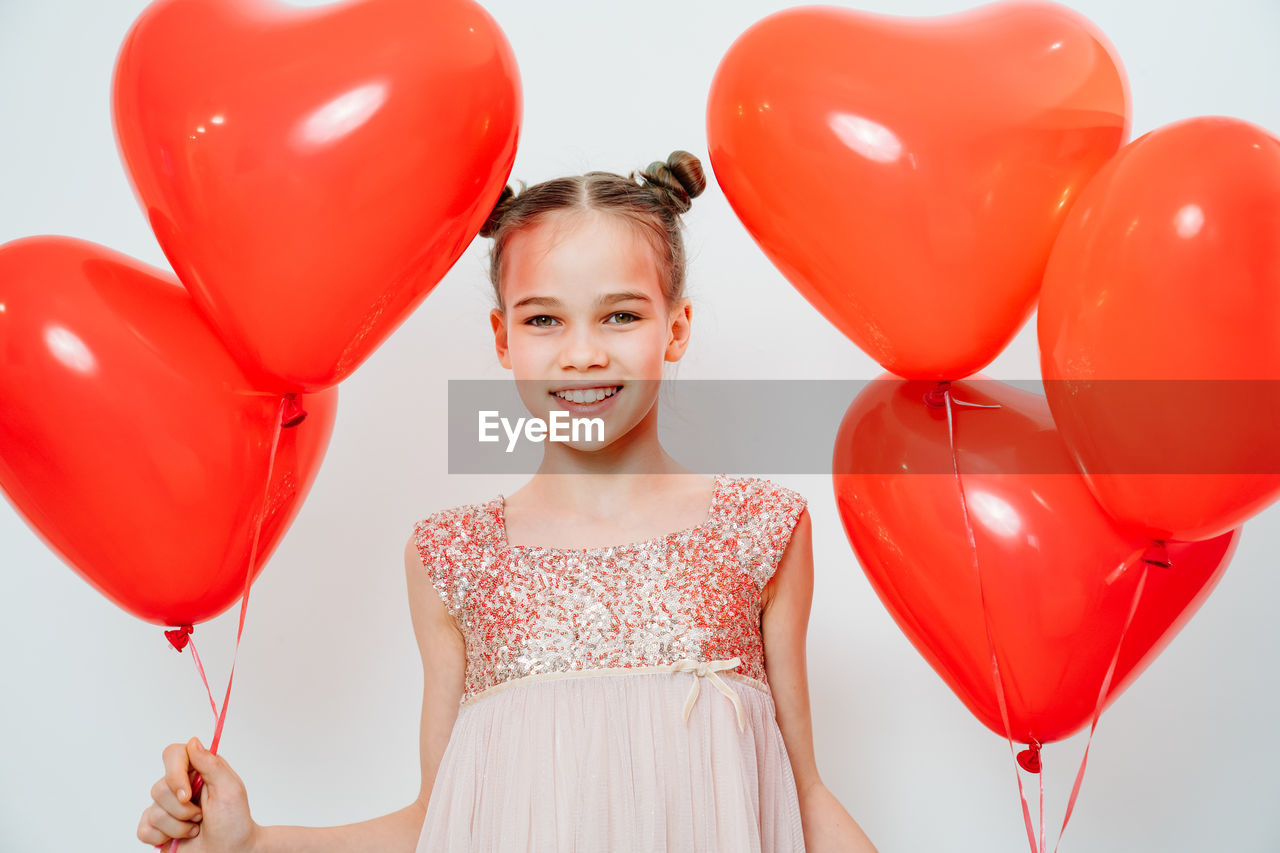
(624, 314)
(532, 321)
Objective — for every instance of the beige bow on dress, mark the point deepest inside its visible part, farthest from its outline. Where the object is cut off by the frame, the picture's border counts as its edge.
(708, 669)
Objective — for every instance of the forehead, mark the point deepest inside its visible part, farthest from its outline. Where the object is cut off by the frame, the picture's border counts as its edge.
(576, 251)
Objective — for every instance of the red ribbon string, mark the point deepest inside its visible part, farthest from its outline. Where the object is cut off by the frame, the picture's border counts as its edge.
(180, 638)
(1029, 758)
(944, 389)
(1102, 695)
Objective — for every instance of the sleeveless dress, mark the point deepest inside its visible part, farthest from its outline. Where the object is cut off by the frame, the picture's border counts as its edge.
(616, 699)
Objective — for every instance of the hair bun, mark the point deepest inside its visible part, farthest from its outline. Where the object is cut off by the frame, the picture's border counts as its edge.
(680, 179)
(500, 208)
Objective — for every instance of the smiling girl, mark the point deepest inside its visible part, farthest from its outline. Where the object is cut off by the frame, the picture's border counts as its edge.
(613, 655)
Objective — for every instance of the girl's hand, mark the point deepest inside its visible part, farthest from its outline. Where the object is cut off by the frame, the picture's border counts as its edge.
(218, 823)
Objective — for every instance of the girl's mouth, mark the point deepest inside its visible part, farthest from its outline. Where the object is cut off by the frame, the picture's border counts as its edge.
(587, 400)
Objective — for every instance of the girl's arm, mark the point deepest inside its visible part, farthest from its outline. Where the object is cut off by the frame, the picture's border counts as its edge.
(443, 651)
(396, 831)
(787, 596)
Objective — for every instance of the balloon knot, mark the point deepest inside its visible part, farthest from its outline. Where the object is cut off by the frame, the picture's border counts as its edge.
(294, 414)
(1029, 758)
(1157, 554)
(178, 638)
(936, 397)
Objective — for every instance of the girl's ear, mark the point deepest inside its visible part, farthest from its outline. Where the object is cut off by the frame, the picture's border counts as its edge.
(680, 320)
(499, 323)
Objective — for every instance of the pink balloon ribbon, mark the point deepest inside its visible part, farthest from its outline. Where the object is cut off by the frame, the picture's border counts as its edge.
(180, 637)
(1029, 758)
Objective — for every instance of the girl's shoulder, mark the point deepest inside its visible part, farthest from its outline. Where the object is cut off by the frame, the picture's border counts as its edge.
(750, 497)
(460, 526)
(760, 516)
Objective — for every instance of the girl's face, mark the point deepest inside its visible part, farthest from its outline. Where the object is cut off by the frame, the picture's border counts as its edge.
(585, 310)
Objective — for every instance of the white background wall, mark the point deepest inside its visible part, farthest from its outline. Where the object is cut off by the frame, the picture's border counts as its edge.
(324, 710)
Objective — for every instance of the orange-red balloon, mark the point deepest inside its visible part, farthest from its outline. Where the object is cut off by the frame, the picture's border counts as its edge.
(908, 175)
(1159, 329)
(312, 173)
(1058, 574)
(131, 441)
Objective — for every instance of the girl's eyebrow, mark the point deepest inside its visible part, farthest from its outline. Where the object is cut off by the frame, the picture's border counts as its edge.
(606, 299)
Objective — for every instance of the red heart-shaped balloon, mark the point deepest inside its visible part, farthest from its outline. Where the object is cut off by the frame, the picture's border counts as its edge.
(908, 175)
(131, 441)
(1159, 328)
(1058, 574)
(312, 173)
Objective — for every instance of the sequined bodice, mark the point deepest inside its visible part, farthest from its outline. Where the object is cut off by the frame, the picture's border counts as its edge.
(690, 595)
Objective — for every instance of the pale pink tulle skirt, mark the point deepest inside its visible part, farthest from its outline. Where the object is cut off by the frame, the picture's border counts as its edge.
(596, 763)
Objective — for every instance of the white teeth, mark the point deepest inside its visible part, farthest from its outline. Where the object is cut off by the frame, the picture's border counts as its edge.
(590, 395)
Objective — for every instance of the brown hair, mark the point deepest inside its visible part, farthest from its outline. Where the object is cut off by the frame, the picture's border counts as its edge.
(652, 206)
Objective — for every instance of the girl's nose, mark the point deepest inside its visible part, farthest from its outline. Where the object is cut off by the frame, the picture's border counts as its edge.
(582, 350)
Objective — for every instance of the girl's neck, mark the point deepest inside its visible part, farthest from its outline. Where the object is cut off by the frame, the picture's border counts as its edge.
(612, 508)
